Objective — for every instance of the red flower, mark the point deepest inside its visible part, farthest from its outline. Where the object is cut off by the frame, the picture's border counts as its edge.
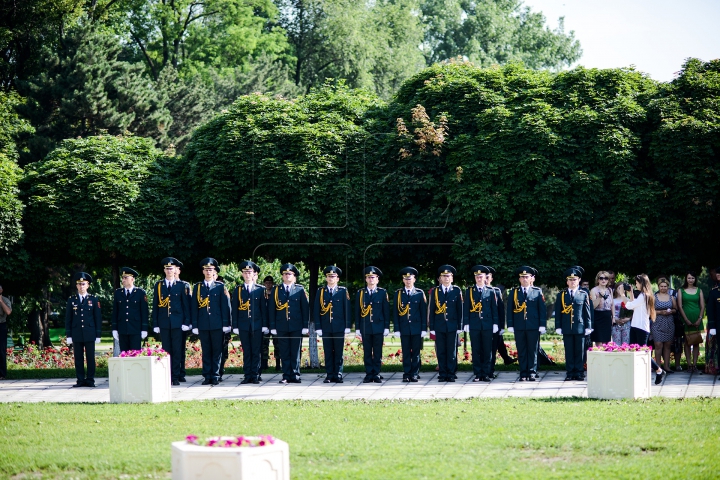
(622, 305)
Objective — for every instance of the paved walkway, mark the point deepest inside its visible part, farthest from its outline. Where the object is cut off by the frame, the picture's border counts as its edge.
(551, 384)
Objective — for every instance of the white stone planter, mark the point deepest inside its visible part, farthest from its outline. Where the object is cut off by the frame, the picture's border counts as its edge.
(615, 375)
(139, 379)
(271, 462)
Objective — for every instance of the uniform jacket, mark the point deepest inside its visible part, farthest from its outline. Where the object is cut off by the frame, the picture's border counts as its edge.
(290, 312)
(485, 305)
(83, 321)
(533, 316)
(579, 316)
(131, 314)
(713, 308)
(445, 310)
(372, 312)
(249, 309)
(413, 308)
(209, 307)
(333, 319)
(173, 309)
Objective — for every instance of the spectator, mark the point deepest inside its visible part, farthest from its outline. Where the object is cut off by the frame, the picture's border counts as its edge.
(601, 297)
(585, 285)
(5, 311)
(663, 328)
(611, 280)
(691, 304)
(643, 308)
(621, 321)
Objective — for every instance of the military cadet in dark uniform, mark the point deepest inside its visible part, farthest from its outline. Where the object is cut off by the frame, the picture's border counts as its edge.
(498, 340)
(249, 320)
(572, 319)
(527, 319)
(713, 307)
(289, 320)
(446, 321)
(210, 313)
(130, 312)
(588, 341)
(171, 315)
(481, 321)
(226, 336)
(186, 329)
(83, 324)
(269, 284)
(372, 322)
(410, 322)
(331, 316)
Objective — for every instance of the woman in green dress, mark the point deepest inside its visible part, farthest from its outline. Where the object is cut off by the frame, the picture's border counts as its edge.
(691, 304)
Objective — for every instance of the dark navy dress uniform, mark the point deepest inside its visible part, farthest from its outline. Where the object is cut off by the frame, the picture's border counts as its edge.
(526, 313)
(481, 316)
(291, 315)
(171, 310)
(410, 319)
(248, 319)
(331, 314)
(210, 309)
(130, 316)
(372, 318)
(83, 323)
(446, 319)
(713, 310)
(572, 315)
(498, 340)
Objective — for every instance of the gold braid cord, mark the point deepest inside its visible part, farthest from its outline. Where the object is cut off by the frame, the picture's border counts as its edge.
(243, 307)
(474, 307)
(202, 302)
(519, 308)
(406, 309)
(439, 308)
(324, 309)
(364, 311)
(566, 308)
(162, 302)
(280, 306)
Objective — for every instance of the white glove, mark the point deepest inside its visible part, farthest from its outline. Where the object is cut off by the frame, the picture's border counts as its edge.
(458, 332)
(236, 331)
(195, 331)
(542, 329)
(226, 329)
(712, 332)
(432, 332)
(116, 335)
(305, 331)
(558, 331)
(588, 331)
(265, 330)
(68, 340)
(347, 331)
(319, 333)
(273, 332)
(397, 334)
(143, 334)
(423, 334)
(97, 340)
(511, 329)
(466, 328)
(185, 328)
(501, 331)
(386, 332)
(156, 329)
(495, 328)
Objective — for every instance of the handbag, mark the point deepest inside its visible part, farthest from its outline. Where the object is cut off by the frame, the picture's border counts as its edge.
(693, 338)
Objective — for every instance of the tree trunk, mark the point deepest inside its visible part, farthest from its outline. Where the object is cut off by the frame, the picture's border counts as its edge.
(45, 318)
(36, 327)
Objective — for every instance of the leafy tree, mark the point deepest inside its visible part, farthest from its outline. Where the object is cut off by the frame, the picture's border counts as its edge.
(488, 32)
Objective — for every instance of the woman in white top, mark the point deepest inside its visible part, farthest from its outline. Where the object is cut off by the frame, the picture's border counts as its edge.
(643, 308)
(602, 299)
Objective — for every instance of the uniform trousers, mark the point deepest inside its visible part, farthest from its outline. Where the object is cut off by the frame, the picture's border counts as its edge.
(526, 341)
(574, 348)
(225, 352)
(211, 344)
(333, 345)
(83, 351)
(481, 342)
(372, 353)
(172, 342)
(446, 349)
(499, 347)
(411, 346)
(289, 344)
(183, 351)
(251, 345)
(129, 342)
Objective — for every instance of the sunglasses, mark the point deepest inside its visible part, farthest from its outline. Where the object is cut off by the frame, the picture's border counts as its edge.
(602, 278)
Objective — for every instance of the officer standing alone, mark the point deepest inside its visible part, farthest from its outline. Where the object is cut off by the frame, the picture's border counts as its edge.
(130, 312)
(573, 322)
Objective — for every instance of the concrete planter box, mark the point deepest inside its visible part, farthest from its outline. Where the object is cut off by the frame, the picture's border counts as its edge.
(271, 462)
(614, 375)
(139, 379)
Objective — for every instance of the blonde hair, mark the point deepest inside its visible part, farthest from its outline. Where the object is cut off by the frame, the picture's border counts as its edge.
(646, 289)
(600, 273)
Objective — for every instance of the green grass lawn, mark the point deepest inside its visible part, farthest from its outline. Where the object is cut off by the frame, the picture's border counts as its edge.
(488, 438)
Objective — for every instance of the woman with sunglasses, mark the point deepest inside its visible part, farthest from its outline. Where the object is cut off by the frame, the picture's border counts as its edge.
(691, 304)
(643, 308)
(663, 328)
(602, 298)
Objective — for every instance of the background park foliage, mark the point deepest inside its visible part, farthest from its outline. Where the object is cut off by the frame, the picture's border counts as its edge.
(317, 131)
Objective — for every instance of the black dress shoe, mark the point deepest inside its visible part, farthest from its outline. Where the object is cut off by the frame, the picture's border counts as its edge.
(339, 380)
(381, 377)
(220, 379)
(256, 382)
(215, 381)
(510, 361)
(569, 378)
(377, 380)
(90, 383)
(406, 379)
(283, 381)
(414, 379)
(441, 379)
(417, 376)
(79, 384)
(176, 383)
(297, 380)
(658, 378)
(451, 379)
(205, 382)
(327, 380)
(485, 379)
(476, 379)
(259, 378)
(244, 381)
(367, 380)
(522, 379)
(182, 379)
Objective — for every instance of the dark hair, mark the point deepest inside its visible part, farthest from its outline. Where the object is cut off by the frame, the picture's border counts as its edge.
(685, 282)
(645, 289)
(269, 278)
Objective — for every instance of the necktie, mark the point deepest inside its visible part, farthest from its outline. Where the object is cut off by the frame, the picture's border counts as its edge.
(407, 292)
(82, 299)
(287, 290)
(572, 293)
(127, 293)
(524, 292)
